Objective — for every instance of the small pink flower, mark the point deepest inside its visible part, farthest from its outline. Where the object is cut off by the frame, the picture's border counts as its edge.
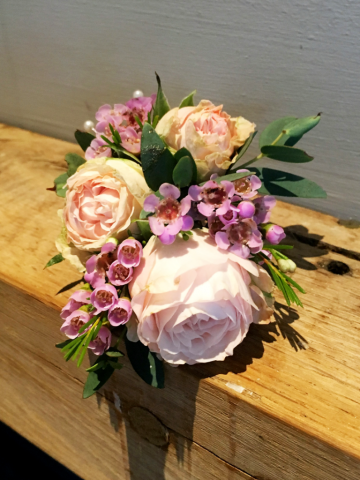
(170, 215)
(120, 313)
(263, 207)
(97, 265)
(213, 197)
(118, 274)
(98, 148)
(240, 237)
(106, 113)
(274, 234)
(102, 341)
(247, 187)
(246, 209)
(103, 298)
(140, 107)
(130, 140)
(77, 300)
(130, 252)
(74, 322)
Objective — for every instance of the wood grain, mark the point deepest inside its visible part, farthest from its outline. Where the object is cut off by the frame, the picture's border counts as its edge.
(285, 406)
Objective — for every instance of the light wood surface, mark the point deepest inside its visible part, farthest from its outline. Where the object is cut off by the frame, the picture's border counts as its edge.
(284, 407)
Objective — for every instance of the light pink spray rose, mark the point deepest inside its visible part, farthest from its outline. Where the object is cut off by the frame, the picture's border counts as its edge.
(210, 134)
(194, 303)
(103, 196)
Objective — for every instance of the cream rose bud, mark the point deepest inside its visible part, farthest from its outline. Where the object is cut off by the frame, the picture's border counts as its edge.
(210, 134)
(103, 196)
(194, 302)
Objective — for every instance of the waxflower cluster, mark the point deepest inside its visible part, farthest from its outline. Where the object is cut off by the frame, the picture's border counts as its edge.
(106, 274)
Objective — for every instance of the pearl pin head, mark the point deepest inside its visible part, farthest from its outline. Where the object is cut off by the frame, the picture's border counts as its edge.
(88, 126)
(138, 94)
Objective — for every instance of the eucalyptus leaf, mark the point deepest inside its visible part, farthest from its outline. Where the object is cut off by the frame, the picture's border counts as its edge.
(231, 177)
(60, 183)
(96, 380)
(284, 184)
(185, 172)
(144, 228)
(84, 139)
(300, 126)
(188, 101)
(74, 161)
(286, 154)
(274, 129)
(145, 363)
(157, 161)
(54, 260)
(161, 105)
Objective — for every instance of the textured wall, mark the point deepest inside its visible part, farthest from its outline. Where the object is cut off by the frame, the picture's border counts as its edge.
(61, 59)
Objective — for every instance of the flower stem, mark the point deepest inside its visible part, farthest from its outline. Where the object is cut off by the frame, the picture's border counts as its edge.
(250, 162)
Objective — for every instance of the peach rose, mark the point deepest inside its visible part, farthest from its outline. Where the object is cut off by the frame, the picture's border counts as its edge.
(210, 134)
(103, 196)
(194, 302)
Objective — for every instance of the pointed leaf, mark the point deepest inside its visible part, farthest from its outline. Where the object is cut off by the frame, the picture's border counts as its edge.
(74, 161)
(97, 379)
(63, 344)
(145, 363)
(157, 161)
(84, 139)
(161, 104)
(54, 260)
(185, 172)
(273, 130)
(299, 127)
(284, 184)
(188, 101)
(60, 183)
(286, 154)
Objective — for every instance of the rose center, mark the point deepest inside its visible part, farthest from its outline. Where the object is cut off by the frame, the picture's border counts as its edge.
(120, 272)
(103, 296)
(168, 209)
(130, 252)
(215, 196)
(242, 185)
(239, 233)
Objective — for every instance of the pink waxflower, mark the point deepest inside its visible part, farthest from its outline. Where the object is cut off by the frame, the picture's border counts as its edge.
(77, 300)
(102, 128)
(274, 234)
(102, 341)
(103, 298)
(130, 252)
(120, 313)
(98, 148)
(140, 107)
(97, 265)
(169, 214)
(74, 322)
(107, 113)
(213, 197)
(263, 207)
(240, 237)
(130, 139)
(246, 209)
(118, 274)
(247, 187)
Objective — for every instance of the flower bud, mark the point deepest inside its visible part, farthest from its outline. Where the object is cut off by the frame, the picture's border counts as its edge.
(286, 265)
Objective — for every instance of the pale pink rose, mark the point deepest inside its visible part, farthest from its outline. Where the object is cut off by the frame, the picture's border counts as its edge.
(210, 134)
(103, 196)
(194, 303)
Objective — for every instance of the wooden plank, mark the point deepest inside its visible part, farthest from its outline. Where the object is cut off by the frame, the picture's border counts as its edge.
(270, 411)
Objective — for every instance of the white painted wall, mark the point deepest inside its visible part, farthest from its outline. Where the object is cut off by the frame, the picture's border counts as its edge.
(61, 59)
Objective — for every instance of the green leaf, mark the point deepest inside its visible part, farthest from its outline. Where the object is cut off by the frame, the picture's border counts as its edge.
(284, 184)
(116, 365)
(273, 130)
(185, 172)
(184, 152)
(161, 105)
(277, 247)
(188, 101)
(298, 128)
(84, 139)
(60, 183)
(69, 286)
(144, 228)
(54, 260)
(231, 177)
(286, 154)
(145, 363)
(114, 353)
(96, 366)
(74, 161)
(97, 379)
(157, 161)
(242, 152)
(63, 344)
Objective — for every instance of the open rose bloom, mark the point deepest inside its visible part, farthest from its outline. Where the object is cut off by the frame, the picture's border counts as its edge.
(173, 234)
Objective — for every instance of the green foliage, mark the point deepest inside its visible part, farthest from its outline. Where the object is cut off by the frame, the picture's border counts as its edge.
(60, 183)
(145, 363)
(274, 129)
(231, 177)
(54, 260)
(188, 101)
(157, 161)
(185, 172)
(300, 126)
(284, 184)
(74, 161)
(84, 139)
(286, 154)
(97, 379)
(242, 152)
(145, 230)
(161, 105)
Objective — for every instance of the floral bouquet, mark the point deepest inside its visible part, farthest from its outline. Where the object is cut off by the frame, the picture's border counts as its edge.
(171, 228)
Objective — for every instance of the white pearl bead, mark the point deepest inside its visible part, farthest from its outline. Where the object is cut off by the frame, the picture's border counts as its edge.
(137, 94)
(88, 126)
